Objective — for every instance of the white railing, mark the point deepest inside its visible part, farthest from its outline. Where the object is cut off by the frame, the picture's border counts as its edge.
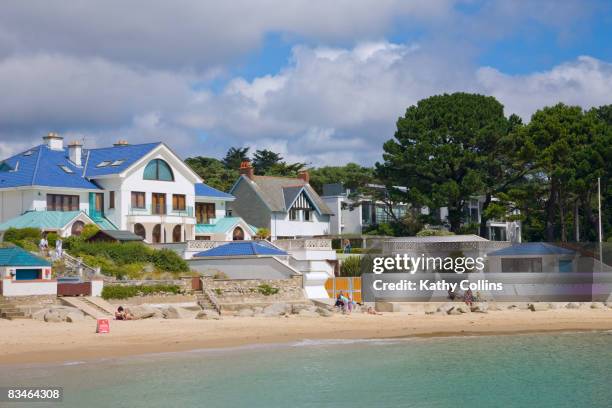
(77, 265)
(202, 245)
(308, 244)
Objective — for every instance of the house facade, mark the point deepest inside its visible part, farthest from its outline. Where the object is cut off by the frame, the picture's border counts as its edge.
(287, 207)
(145, 188)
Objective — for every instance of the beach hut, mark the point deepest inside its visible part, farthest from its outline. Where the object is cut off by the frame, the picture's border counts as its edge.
(24, 274)
(115, 236)
(533, 257)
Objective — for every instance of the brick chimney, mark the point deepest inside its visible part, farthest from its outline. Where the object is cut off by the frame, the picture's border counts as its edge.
(247, 169)
(304, 175)
(54, 141)
(75, 150)
(121, 142)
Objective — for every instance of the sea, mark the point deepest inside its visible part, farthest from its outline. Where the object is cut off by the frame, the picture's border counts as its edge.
(527, 370)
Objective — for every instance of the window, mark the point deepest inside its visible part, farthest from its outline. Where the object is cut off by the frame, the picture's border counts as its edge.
(77, 228)
(103, 163)
(176, 233)
(62, 202)
(139, 229)
(66, 169)
(205, 212)
(307, 215)
(117, 162)
(28, 153)
(238, 234)
(178, 202)
(99, 202)
(158, 203)
(157, 234)
(111, 199)
(158, 169)
(294, 214)
(138, 199)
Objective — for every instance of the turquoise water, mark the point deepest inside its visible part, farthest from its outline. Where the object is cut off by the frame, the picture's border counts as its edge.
(547, 370)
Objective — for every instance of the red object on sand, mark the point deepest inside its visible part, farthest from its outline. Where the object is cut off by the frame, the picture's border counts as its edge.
(103, 326)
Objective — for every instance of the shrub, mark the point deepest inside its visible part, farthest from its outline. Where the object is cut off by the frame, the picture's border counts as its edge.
(27, 245)
(19, 234)
(51, 239)
(351, 266)
(434, 233)
(89, 231)
(262, 233)
(267, 290)
(168, 260)
(124, 292)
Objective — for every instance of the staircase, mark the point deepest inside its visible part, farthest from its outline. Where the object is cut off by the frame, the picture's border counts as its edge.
(208, 301)
(9, 311)
(78, 268)
(87, 306)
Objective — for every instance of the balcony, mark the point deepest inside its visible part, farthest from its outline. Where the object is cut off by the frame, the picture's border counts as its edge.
(160, 210)
(307, 244)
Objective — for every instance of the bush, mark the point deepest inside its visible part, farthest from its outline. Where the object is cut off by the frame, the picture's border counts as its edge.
(89, 231)
(27, 245)
(434, 233)
(168, 260)
(267, 290)
(351, 266)
(262, 233)
(51, 239)
(124, 292)
(19, 234)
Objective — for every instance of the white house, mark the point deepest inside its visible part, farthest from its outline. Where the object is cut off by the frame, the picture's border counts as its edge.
(143, 188)
(288, 207)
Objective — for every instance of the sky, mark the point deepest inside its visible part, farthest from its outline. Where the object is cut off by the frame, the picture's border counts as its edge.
(321, 82)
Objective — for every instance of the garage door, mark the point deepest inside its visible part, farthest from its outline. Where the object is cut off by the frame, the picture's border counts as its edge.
(28, 274)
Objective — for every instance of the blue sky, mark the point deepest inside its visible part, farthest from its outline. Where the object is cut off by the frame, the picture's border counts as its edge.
(321, 83)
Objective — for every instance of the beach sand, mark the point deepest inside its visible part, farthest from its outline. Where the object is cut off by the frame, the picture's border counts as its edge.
(29, 341)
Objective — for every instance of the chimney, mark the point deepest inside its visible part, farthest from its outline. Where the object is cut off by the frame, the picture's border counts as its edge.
(121, 142)
(75, 150)
(246, 169)
(303, 174)
(54, 141)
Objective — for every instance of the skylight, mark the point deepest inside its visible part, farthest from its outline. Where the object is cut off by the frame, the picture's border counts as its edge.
(117, 162)
(66, 169)
(103, 164)
(28, 153)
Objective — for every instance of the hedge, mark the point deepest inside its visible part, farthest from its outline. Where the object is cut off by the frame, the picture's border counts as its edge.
(124, 292)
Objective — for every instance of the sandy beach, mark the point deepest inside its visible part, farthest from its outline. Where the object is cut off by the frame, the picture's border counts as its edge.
(29, 341)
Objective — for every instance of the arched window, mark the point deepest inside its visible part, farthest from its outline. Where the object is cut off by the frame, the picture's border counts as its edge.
(157, 238)
(238, 234)
(158, 169)
(139, 229)
(176, 234)
(77, 228)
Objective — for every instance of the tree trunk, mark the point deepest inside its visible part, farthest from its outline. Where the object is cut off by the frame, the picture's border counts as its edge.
(577, 221)
(561, 205)
(483, 220)
(454, 218)
(550, 212)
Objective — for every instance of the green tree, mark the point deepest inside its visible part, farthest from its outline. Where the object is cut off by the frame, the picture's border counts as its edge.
(352, 176)
(264, 160)
(235, 156)
(213, 172)
(440, 151)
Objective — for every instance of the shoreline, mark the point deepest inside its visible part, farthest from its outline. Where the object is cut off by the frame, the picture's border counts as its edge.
(31, 342)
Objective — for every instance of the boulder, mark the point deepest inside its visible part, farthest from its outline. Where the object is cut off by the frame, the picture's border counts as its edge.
(461, 308)
(324, 312)
(74, 317)
(557, 305)
(207, 315)
(276, 309)
(245, 313)
(308, 313)
(173, 312)
(539, 307)
(597, 305)
(257, 310)
(143, 312)
(53, 316)
(298, 307)
(573, 305)
(453, 311)
(479, 308)
(446, 308)
(40, 315)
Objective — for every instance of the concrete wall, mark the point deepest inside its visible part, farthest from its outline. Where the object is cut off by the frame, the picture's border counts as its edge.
(281, 226)
(28, 288)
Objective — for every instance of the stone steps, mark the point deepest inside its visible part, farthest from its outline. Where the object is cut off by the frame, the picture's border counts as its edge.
(9, 311)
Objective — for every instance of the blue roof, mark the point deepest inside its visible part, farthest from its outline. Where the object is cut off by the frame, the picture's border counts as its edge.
(40, 166)
(123, 155)
(204, 190)
(532, 248)
(16, 256)
(243, 248)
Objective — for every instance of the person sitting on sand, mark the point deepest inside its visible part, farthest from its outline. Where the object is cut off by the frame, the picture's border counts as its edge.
(468, 297)
(121, 314)
(339, 302)
(373, 311)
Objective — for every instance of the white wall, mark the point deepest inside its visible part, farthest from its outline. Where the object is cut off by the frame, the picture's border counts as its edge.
(28, 288)
(15, 202)
(244, 268)
(281, 226)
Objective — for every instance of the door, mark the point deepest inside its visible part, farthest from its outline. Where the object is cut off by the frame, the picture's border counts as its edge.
(96, 205)
(205, 212)
(158, 203)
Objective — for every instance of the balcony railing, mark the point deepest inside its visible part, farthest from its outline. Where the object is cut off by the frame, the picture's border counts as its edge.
(157, 210)
(309, 244)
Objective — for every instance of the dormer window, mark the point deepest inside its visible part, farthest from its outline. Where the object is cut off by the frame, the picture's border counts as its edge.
(66, 169)
(158, 169)
(103, 163)
(117, 162)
